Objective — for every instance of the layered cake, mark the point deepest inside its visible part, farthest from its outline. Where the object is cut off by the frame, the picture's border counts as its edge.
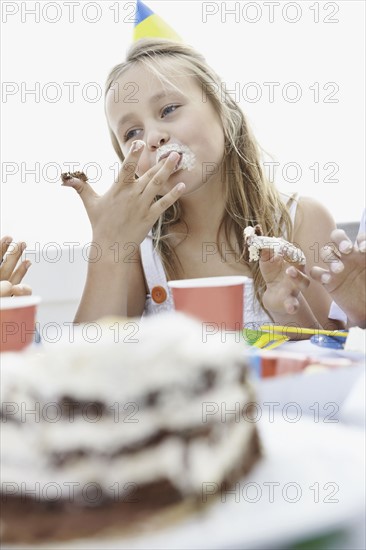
(255, 241)
(122, 425)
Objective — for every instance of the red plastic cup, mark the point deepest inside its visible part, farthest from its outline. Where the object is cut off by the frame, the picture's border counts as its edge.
(215, 300)
(17, 321)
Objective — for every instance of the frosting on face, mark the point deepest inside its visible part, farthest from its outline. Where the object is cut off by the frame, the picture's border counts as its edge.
(188, 158)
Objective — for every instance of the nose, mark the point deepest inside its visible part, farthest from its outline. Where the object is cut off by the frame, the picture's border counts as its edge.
(156, 138)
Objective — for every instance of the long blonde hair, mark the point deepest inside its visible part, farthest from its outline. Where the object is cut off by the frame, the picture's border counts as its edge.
(250, 198)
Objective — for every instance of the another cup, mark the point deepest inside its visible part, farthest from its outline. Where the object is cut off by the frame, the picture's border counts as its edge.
(17, 320)
(216, 300)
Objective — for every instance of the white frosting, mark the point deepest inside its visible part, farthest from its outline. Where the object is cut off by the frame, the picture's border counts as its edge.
(188, 157)
(171, 358)
(256, 243)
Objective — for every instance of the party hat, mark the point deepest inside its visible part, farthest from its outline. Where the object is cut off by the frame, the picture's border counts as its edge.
(150, 25)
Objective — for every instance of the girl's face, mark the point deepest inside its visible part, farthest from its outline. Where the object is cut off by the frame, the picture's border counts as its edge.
(139, 106)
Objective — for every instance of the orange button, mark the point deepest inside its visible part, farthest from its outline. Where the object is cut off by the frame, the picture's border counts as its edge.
(159, 294)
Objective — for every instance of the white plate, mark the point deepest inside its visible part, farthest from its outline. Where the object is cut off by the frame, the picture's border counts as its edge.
(357, 356)
(351, 355)
(321, 465)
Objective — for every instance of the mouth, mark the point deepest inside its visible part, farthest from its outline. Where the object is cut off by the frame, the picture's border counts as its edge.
(179, 162)
(187, 158)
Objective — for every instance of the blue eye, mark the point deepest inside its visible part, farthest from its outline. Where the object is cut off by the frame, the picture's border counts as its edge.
(129, 135)
(169, 109)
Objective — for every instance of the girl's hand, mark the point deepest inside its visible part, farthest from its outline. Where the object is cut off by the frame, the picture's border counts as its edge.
(12, 274)
(284, 283)
(345, 278)
(127, 211)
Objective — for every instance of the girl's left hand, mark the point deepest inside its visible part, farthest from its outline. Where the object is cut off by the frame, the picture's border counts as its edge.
(284, 283)
(12, 274)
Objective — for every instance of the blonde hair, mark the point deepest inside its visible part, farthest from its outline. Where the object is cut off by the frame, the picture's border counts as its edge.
(250, 198)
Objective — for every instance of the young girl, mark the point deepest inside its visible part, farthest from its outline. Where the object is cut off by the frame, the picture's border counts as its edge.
(190, 182)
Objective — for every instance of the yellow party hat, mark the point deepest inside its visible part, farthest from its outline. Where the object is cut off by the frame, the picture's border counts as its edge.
(150, 25)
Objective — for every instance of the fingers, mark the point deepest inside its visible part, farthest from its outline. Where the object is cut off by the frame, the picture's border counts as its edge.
(330, 257)
(270, 264)
(19, 273)
(320, 275)
(300, 283)
(301, 280)
(10, 260)
(361, 242)
(152, 185)
(5, 288)
(127, 173)
(167, 200)
(342, 241)
(5, 242)
(83, 188)
(21, 290)
(268, 255)
(156, 175)
(291, 305)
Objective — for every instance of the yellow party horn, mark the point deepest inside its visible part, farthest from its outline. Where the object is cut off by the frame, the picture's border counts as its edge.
(301, 330)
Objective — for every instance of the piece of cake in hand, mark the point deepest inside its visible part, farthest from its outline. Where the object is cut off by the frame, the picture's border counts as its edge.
(125, 429)
(65, 176)
(255, 241)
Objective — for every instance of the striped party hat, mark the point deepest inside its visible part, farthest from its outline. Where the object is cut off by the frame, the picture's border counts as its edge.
(150, 25)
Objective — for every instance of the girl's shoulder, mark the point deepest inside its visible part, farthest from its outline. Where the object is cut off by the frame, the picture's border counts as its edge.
(309, 209)
(312, 221)
(303, 209)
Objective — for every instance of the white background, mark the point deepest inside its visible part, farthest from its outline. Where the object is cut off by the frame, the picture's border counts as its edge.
(305, 132)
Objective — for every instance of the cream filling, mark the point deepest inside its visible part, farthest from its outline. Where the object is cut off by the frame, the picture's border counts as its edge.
(162, 358)
(30, 442)
(207, 462)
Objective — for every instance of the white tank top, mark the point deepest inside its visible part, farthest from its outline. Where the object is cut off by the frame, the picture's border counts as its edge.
(157, 283)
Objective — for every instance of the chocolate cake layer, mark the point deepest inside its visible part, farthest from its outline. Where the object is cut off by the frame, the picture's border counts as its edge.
(26, 520)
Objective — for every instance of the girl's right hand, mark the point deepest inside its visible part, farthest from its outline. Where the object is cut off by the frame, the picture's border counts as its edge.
(127, 211)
